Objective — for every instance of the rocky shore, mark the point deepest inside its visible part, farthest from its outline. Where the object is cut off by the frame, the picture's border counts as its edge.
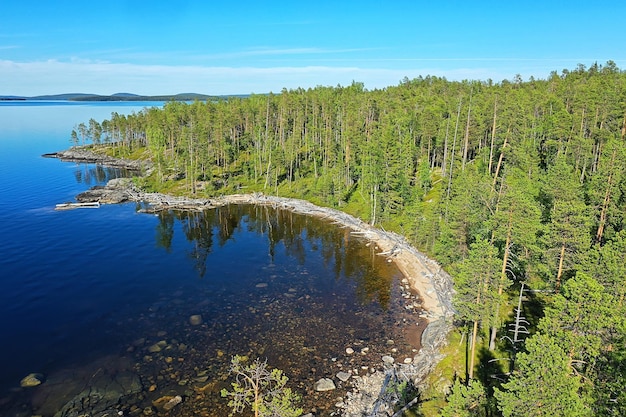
(422, 274)
(81, 154)
(425, 275)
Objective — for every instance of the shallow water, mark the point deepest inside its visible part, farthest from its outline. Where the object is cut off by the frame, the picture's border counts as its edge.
(92, 291)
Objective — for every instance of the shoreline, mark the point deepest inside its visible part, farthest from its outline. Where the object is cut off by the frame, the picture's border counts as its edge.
(424, 275)
(84, 155)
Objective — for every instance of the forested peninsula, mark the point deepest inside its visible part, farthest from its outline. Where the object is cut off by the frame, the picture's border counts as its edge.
(516, 188)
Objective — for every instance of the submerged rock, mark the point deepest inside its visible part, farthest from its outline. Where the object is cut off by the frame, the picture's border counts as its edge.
(32, 380)
(167, 402)
(325, 384)
(157, 347)
(103, 395)
(172, 403)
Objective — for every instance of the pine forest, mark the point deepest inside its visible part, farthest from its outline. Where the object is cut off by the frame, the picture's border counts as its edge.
(517, 188)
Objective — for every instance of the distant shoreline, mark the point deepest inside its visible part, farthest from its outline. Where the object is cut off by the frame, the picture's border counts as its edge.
(123, 97)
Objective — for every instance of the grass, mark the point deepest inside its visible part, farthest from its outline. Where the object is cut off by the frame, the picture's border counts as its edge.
(441, 379)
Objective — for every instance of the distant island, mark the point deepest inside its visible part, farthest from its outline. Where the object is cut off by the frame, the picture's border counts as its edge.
(120, 97)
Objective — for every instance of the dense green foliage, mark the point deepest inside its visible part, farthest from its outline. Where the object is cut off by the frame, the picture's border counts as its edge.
(502, 183)
(262, 390)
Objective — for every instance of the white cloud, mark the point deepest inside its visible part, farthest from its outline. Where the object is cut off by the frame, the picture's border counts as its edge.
(267, 51)
(78, 75)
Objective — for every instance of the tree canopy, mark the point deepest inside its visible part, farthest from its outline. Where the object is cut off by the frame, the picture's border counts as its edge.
(521, 180)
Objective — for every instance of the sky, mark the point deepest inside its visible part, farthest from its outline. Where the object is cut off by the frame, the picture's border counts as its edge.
(242, 47)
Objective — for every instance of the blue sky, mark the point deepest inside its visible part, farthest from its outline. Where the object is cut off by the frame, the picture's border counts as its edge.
(241, 47)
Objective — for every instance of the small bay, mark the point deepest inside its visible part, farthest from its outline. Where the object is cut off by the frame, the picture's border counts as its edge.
(102, 289)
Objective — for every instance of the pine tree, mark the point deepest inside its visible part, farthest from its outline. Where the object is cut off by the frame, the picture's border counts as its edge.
(476, 284)
(580, 319)
(569, 219)
(543, 384)
(516, 224)
(465, 400)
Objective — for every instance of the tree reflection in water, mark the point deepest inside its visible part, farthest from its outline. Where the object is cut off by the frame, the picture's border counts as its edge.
(349, 257)
(293, 289)
(93, 174)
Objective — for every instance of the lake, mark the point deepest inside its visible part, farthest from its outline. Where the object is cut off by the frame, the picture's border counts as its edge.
(163, 302)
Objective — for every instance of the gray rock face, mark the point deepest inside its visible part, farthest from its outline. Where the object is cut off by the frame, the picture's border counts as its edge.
(116, 191)
(360, 402)
(102, 395)
(435, 334)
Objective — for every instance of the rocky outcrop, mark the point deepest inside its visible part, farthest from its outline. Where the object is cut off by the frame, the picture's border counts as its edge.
(85, 155)
(103, 396)
(371, 393)
(118, 190)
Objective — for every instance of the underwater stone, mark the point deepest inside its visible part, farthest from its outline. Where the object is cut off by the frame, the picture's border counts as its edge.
(325, 384)
(31, 380)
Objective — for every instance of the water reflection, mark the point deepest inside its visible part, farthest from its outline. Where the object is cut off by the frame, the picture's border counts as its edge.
(297, 291)
(269, 283)
(348, 257)
(92, 174)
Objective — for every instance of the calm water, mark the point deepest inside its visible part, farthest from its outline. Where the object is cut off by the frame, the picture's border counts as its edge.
(91, 291)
